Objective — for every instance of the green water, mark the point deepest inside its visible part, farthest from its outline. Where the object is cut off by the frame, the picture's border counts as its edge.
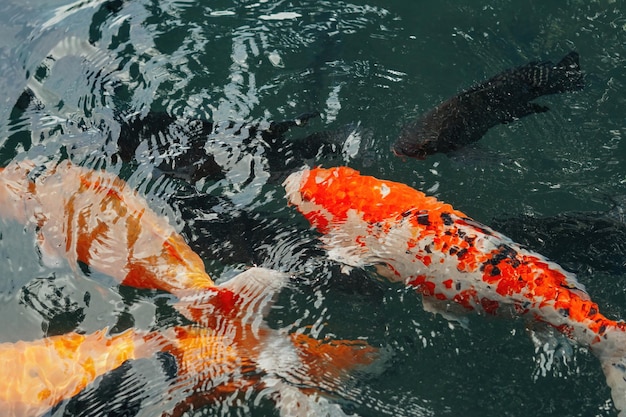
(367, 66)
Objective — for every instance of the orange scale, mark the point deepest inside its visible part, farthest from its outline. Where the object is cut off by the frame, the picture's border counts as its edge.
(490, 306)
(368, 191)
(466, 298)
(488, 275)
(438, 244)
(600, 325)
(441, 296)
(579, 309)
(320, 221)
(411, 244)
(417, 281)
(470, 260)
(428, 288)
(510, 282)
(464, 266)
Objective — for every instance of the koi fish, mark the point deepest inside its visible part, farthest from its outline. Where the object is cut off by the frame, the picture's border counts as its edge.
(181, 147)
(453, 260)
(93, 218)
(593, 239)
(466, 117)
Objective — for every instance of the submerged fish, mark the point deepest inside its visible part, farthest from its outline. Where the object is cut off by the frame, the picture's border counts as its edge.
(577, 240)
(453, 260)
(466, 117)
(94, 220)
(182, 147)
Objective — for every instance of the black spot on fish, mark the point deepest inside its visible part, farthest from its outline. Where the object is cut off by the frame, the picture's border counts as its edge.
(620, 366)
(508, 96)
(428, 248)
(478, 226)
(505, 252)
(495, 271)
(447, 219)
(461, 253)
(470, 240)
(458, 286)
(564, 312)
(422, 218)
(453, 250)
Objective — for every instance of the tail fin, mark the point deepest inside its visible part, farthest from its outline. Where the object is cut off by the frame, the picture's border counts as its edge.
(246, 298)
(548, 78)
(566, 75)
(331, 359)
(611, 352)
(323, 376)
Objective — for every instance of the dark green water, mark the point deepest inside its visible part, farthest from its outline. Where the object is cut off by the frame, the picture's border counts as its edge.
(368, 67)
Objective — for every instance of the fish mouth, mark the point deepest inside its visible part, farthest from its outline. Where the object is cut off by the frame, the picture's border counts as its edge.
(402, 152)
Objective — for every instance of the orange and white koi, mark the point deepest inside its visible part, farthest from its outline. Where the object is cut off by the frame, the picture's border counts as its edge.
(452, 259)
(94, 218)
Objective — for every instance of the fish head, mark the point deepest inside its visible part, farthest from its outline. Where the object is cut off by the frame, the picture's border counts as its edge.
(411, 146)
(418, 140)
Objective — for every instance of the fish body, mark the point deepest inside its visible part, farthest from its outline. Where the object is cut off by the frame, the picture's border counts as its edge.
(185, 148)
(38, 374)
(466, 117)
(452, 260)
(216, 358)
(93, 218)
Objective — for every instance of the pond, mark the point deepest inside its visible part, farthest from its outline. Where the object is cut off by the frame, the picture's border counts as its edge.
(205, 107)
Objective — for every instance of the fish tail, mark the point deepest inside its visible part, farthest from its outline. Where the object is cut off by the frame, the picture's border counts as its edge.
(566, 75)
(333, 358)
(611, 351)
(326, 367)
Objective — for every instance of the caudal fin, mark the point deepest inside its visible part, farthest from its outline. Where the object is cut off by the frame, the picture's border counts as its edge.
(548, 78)
(566, 75)
(246, 299)
(612, 355)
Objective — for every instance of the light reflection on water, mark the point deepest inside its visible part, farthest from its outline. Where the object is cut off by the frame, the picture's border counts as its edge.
(94, 65)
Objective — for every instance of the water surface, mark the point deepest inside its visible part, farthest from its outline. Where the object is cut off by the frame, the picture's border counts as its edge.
(368, 67)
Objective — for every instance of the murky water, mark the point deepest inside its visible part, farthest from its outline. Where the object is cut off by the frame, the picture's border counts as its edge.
(91, 68)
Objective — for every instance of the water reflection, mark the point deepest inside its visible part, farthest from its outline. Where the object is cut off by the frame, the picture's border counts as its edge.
(76, 75)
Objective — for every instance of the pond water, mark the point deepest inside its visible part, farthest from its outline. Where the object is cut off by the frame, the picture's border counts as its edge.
(75, 74)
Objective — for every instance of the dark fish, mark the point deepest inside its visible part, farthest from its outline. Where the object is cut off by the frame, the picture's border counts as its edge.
(177, 145)
(577, 240)
(508, 96)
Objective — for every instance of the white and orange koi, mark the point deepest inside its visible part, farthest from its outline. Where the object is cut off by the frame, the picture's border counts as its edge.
(452, 259)
(94, 218)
